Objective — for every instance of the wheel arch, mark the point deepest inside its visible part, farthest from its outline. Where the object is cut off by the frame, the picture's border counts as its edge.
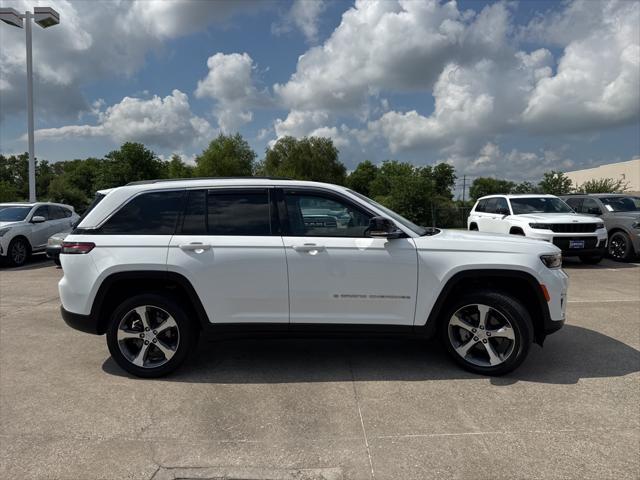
(121, 285)
(473, 226)
(521, 285)
(516, 231)
(22, 236)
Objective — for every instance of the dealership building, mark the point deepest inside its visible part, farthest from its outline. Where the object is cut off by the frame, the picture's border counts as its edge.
(628, 171)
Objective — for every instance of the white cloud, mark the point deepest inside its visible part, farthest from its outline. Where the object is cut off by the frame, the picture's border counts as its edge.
(230, 82)
(164, 122)
(515, 164)
(96, 40)
(398, 46)
(597, 84)
(303, 15)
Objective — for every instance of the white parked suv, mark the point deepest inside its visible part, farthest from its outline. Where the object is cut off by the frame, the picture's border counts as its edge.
(155, 264)
(541, 217)
(26, 227)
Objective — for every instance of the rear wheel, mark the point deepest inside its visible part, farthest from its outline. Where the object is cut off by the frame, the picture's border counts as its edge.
(150, 335)
(620, 247)
(18, 252)
(487, 332)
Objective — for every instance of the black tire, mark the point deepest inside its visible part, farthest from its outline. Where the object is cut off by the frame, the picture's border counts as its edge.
(187, 335)
(18, 252)
(517, 231)
(620, 247)
(591, 259)
(473, 227)
(56, 260)
(512, 310)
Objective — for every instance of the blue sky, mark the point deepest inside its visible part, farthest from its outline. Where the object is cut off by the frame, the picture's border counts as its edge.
(504, 89)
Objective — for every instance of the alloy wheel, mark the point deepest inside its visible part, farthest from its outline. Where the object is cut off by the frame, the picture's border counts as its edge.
(481, 335)
(18, 253)
(618, 246)
(148, 336)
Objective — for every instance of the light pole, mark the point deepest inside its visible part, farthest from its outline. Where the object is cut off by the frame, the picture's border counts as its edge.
(45, 17)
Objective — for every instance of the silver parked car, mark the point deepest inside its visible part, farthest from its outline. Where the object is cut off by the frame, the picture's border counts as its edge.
(26, 227)
(621, 216)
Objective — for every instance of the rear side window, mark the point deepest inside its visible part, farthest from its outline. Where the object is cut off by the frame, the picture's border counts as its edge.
(57, 213)
(238, 212)
(491, 205)
(153, 213)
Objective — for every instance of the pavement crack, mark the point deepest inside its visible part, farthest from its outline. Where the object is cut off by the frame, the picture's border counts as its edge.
(364, 431)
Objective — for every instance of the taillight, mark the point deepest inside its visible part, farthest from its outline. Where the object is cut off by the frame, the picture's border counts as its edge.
(77, 247)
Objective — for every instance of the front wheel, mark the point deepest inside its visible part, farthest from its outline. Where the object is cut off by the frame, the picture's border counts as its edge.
(620, 247)
(150, 335)
(489, 333)
(18, 252)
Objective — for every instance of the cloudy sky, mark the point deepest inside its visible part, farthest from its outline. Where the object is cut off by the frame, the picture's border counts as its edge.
(509, 89)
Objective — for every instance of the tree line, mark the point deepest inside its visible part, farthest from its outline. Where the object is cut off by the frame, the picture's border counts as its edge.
(423, 194)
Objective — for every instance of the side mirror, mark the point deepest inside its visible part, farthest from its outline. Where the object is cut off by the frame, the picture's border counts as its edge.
(594, 211)
(502, 211)
(38, 219)
(381, 227)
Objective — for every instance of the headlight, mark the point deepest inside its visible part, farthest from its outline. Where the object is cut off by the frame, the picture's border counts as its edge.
(54, 242)
(544, 226)
(599, 226)
(553, 260)
(4, 230)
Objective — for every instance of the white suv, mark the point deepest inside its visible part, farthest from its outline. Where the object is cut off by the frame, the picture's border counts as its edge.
(26, 227)
(153, 265)
(541, 217)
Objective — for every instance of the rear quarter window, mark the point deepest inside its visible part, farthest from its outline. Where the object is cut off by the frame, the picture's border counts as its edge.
(154, 213)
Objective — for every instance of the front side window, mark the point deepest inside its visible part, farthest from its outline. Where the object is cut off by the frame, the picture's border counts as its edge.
(42, 211)
(525, 205)
(238, 213)
(501, 205)
(316, 215)
(590, 206)
(154, 213)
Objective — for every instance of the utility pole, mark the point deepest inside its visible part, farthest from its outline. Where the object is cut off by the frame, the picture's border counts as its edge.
(464, 191)
(45, 17)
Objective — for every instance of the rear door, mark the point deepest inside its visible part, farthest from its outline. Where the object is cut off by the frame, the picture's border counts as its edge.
(486, 220)
(339, 275)
(229, 247)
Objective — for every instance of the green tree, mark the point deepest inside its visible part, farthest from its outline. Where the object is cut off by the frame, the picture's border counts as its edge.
(61, 190)
(132, 162)
(555, 183)
(524, 187)
(361, 178)
(444, 178)
(390, 173)
(482, 186)
(176, 168)
(308, 158)
(603, 185)
(226, 156)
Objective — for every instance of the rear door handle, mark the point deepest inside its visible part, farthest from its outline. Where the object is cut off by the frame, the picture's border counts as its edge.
(194, 247)
(308, 247)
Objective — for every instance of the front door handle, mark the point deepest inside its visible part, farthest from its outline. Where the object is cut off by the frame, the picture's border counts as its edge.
(308, 247)
(197, 247)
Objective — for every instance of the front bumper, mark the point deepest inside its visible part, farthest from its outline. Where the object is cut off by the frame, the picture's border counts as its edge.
(84, 323)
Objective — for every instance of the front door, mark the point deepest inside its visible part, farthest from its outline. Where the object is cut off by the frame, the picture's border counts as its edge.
(40, 231)
(226, 247)
(339, 275)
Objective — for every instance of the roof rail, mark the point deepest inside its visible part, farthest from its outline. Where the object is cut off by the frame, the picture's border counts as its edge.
(158, 180)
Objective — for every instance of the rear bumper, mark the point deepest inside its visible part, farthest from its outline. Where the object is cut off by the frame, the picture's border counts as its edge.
(53, 252)
(84, 323)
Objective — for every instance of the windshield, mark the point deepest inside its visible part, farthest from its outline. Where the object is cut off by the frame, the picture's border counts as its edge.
(398, 218)
(621, 204)
(13, 214)
(522, 206)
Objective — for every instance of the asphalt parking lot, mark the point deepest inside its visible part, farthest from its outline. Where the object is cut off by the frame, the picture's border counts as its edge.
(322, 409)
